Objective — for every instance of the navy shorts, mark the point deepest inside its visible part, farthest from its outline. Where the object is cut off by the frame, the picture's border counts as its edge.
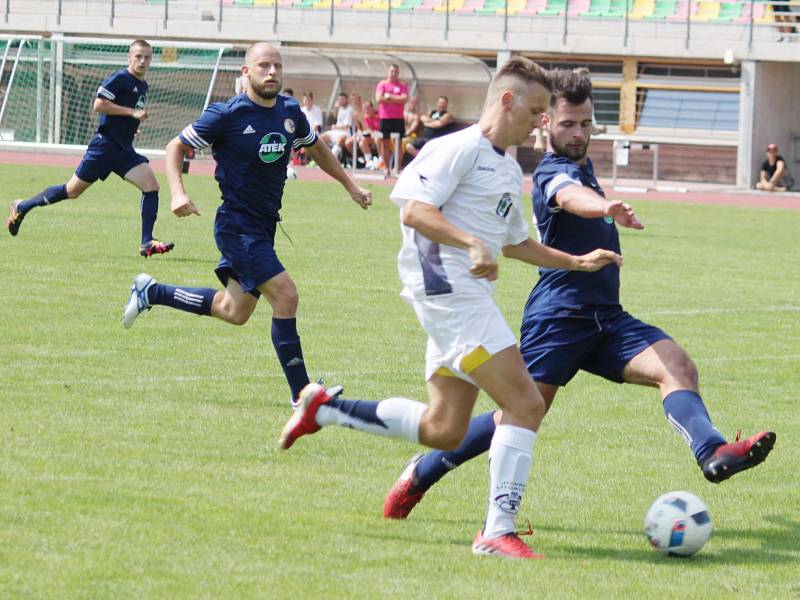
(105, 156)
(247, 246)
(390, 126)
(556, 345)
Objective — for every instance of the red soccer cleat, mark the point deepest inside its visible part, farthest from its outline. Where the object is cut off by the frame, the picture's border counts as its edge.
(303, 420)
(14, 218)
(508, 545)
(155, 247)
(730, 459)
(403, 497)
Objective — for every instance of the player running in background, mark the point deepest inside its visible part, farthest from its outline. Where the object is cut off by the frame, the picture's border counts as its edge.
(460, 206)
(120, 101)
(574, 321)
(252, 136)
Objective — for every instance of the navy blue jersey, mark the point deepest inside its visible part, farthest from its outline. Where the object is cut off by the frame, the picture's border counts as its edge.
(557, 288)
(123, 89)
(252, 145)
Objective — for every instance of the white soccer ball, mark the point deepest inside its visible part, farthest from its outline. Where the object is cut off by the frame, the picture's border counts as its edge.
(677, 524)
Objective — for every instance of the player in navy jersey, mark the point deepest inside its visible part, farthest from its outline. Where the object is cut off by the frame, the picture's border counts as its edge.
(120, 101)
(252, 136)
(573, 320)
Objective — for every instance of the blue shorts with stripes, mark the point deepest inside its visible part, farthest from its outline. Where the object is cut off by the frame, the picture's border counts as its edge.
(105, 156)
(601, 340)
(247, 246)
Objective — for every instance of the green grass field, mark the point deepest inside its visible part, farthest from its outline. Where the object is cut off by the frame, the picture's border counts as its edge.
(143, 462)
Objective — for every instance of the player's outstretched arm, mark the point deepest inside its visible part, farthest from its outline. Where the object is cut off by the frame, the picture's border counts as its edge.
(429, 221)
(321, 154)
(535, 253)
(587, 203)
(107, 107)
(181, 206)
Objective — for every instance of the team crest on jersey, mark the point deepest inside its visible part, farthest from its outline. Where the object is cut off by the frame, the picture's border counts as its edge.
(504, 206)
(140, 102)
(608, 220)
(272, 147)
(288, 124)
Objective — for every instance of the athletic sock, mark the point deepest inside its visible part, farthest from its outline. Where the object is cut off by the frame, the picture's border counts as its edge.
(193, 300)
(438, 463)
(290, 354)
(393, 417)
(510, 458)
(51, 195)
(688, 415)
(149, 209)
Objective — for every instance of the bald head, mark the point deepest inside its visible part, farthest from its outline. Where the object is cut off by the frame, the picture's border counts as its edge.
(263, 68)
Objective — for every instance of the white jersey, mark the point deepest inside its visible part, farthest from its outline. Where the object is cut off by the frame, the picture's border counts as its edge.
(477, 188)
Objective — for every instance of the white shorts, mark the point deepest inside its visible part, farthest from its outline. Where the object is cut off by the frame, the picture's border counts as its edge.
(336, 134)
(463, 333)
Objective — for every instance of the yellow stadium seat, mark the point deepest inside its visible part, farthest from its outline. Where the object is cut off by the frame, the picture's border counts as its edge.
(706, 10)
(641, 9)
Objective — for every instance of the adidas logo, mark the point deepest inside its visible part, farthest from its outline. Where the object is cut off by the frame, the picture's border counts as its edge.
(135, 89)
(248, 129)
(296, 360)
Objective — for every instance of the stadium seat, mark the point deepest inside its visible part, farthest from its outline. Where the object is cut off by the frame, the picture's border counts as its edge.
(767, 16)
(758, 12)
(576, 7)
(554, 8)
(490, 7)
(470, 6)
(514, 6)
(706, 10)
(532, 7)
(641, 9)
(264, 3)
(243, 2)
(728, 12)
(452, 6)
(427, 5)
(662, 9)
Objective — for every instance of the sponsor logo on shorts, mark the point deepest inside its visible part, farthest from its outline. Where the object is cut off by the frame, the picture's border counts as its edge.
(273, 146)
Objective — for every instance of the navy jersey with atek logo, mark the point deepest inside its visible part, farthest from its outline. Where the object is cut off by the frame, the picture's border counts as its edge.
(559, 289)
(123, 89)
(252, 145)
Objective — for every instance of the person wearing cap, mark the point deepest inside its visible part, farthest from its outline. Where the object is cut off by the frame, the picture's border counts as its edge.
(774, 176)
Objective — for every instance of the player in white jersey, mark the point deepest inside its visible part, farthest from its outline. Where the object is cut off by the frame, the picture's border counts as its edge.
(460, 207)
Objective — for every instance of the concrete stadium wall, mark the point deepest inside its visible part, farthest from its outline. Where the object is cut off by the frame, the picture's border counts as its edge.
(770, 90)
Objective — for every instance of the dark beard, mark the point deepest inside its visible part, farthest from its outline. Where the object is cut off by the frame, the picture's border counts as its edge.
(264, 94)
(567, 151)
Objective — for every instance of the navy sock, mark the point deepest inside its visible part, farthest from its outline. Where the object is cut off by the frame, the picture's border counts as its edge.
(53, 194)
(688, 415)
(363, 410)
(287, 346)
(149, 210)
(193, 300)
(437, 464)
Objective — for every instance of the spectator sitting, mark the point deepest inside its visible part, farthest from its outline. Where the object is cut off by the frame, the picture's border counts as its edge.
(288, 92)
(368, 136)
(439, 123)
(411, 117)
(774, 176)
(343, 126)
(312, 112)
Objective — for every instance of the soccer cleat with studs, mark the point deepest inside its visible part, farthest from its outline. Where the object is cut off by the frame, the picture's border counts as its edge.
(138, 301)
(508, 545)
(155, 247)
(729, 459)
(303, 421)
(404, 496)
(14, 217)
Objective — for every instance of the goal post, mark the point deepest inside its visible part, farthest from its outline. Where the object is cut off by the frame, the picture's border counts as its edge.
(48, 86)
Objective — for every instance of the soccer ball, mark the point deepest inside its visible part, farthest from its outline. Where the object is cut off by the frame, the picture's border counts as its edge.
(677, 524)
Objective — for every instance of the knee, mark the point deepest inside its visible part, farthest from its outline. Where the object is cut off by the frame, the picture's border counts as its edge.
(73, 193)
(238, 318)
(684, 372)
(286, 303)
(442, 435)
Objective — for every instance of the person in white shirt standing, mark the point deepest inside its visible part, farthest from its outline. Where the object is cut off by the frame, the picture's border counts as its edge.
(460, 207)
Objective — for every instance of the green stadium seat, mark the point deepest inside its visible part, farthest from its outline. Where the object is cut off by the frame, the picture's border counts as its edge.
(728, 11)
(490, 7)
(554, 8)
(663, 9)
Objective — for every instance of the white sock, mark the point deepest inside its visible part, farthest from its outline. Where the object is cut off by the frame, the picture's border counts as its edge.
(400, 416)
(368, 157)
(509, 467)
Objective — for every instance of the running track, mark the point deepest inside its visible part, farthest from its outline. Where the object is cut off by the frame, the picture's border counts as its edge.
(710, 195)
